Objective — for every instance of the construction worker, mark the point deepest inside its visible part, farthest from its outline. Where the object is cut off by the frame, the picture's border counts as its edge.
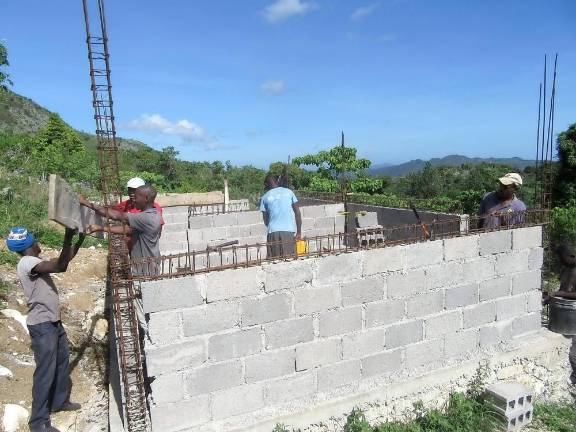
(279, 207)
(51, 382)
(144, 228)
(502, 207)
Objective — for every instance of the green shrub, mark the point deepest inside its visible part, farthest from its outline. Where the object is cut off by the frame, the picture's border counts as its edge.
(563, 226)
(555, 417)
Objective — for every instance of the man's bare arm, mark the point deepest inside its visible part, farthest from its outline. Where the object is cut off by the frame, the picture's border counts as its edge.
(104, 211)
(265, 217)
(298, 217)
(114, 229)
(68, 252)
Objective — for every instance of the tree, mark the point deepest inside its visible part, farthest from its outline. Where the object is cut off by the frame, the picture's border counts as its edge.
(57, 149)
(168, 164)
(564, 188)
(338, 163)
(4, 77)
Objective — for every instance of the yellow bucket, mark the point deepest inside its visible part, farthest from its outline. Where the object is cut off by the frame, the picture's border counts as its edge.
(301, 247)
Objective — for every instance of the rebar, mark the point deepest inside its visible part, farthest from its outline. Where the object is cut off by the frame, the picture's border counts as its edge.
(119, 272)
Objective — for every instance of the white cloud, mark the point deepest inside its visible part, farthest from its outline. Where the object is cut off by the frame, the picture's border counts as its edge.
(184, 129)
(284, 9)
(273, 87)
(364, 11)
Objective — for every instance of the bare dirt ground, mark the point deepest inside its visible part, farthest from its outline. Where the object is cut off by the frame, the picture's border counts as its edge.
(82, 292)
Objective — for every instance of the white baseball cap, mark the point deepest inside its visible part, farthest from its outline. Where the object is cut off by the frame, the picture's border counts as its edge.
(135, 183)
(511, 179)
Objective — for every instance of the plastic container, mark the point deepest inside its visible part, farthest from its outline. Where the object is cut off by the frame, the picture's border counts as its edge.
(562, 318)
(301, 247)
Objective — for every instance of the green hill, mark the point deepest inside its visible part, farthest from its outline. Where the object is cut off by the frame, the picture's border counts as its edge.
(20, 115)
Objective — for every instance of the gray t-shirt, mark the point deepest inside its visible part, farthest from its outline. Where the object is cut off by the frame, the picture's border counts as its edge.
(498, 214)
(42, 295)
(146, 227)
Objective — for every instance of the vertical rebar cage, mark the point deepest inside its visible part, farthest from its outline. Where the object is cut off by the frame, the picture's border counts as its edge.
(119, 274)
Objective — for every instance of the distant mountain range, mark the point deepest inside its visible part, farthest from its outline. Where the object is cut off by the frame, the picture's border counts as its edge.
(451, 160)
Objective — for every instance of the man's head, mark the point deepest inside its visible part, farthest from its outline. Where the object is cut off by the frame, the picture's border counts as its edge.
(509, 185)
(133, 184)
(270, 182)
(144, 197)
(566, 255)
(22, 242)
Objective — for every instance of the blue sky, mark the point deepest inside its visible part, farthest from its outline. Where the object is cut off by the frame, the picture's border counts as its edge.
(254, 81)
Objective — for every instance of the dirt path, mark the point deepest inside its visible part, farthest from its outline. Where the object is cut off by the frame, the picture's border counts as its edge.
(81, 291)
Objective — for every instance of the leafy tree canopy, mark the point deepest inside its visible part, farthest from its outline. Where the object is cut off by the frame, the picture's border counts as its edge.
(565, 181)
(4, 77)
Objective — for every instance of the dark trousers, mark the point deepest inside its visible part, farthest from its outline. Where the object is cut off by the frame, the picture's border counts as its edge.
(280, 244)
(51, 383)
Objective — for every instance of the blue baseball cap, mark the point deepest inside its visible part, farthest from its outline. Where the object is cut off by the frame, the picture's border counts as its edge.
(19, 239)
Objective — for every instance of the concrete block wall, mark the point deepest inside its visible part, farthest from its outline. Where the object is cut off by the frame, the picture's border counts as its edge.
(237, 347)
(247, 227)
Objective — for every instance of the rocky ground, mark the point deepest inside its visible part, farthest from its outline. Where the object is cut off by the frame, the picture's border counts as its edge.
(82, 290)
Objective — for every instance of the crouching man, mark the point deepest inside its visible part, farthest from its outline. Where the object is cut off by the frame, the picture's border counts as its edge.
(51, 382)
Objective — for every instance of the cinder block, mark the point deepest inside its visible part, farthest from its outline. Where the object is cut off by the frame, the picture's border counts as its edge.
(495, 288)
(383, 260)
(495, 242)
(250, 218)
(307, 224)
(402, 285)
(167, 388)
(173, 293)
(425, 304)
(444, 275)
(441, 324)
(313, 212)
(337, 268)
(227, 284)
(333, 210)
(495, 334)
(215, 233)
(529, 281)
(479, 269)
(239, 232)
(534, 301)
(210, 318)
(424, 254)
(526, 324)
(236, 344)
(225, 219)
(290, 388)
(237, 400)
(536, 259)
(510, 307)
(424, 353)
(340, 321)
(463, 295)
(339, 374)
(324, 223)
(480, 314)
(175, 228)
(318, 353)
(265, 309)
(287, 275)
(362, 344)
(386, 362)
(201, 222)
(270, 365)
(364, 290)
(259, 231)
(180, 415)
(196, 236)
(339, 224)
(404, 334)
(527, 238)
(310, 300)
(457, 344)
(459, 248)
(175, 357)
(165, 327)
(515, 262)
(214, 377)
(289, 332)
(384, 312)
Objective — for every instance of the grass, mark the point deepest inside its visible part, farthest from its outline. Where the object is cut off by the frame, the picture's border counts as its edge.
(5, 288)
(555, 417)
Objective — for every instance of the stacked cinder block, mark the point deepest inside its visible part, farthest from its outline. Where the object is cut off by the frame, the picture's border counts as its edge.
(247, 227)
(512, 402)
(251, 342)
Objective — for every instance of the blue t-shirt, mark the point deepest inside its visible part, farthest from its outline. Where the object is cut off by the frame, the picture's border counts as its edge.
(277, 203)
